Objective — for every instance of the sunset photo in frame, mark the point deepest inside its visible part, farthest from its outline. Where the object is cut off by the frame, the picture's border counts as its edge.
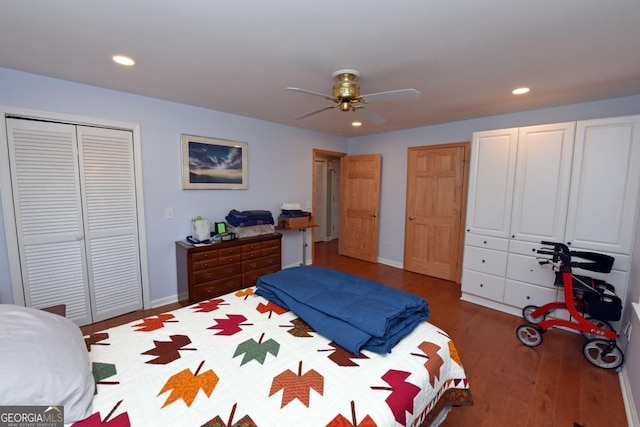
(213, 164)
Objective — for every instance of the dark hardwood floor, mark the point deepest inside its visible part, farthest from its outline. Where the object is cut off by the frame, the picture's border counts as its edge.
(512, 385)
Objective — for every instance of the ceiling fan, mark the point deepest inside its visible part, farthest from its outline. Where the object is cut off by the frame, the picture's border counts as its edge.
(346, 96)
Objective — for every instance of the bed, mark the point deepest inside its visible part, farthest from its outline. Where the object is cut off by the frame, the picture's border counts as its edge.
(242, 360)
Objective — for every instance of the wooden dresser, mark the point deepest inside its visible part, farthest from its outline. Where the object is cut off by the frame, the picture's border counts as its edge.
(210, 271)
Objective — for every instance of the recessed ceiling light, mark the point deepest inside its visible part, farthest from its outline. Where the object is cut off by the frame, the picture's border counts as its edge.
(520, 91)
(123, 60)
(356, 124)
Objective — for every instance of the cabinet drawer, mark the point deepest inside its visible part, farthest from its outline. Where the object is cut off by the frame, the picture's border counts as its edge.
(215, 288)
(225, 252)
(255, 264)
(252, 247)
(251, 278)
(528, 269)
(520, 294)
(483, 285)
(275, 243)
(494, 243)
(203, 256)
(230, 259)
(526, 248)
(271, 250)
(216, 273)
(203, 265)
(251, 255)
(485, 260)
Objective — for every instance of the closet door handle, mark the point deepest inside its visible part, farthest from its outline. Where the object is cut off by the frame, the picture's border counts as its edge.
(411, 218)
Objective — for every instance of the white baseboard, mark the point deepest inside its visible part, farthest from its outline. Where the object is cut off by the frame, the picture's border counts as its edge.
(169, 300)
(390, 263)
(629, 407)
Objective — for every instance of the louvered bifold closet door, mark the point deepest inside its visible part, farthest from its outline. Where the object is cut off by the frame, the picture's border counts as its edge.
(110, 218)
(48, 212)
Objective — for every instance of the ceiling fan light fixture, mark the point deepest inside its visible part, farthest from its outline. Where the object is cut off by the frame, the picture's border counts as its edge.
(520, 91)
(356, 124)
(345, 105)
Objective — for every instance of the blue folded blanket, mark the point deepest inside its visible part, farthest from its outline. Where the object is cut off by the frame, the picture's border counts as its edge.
(356, 313)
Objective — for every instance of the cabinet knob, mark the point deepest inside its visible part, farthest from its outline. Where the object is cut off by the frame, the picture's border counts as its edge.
(411, 218)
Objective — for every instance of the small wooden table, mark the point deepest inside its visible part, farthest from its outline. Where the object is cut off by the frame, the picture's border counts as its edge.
(304, 238)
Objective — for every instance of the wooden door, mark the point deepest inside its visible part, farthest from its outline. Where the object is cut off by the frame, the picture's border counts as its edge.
(359, 203)
(436, 189)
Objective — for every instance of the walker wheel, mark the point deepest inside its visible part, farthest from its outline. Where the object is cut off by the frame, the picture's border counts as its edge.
(527, 313)
(601, 324)
(603, 353)
(528, 335)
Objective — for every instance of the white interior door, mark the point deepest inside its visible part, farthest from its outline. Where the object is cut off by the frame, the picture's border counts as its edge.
(110, 221)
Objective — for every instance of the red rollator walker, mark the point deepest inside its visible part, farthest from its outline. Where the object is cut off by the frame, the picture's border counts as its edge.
(591, 304)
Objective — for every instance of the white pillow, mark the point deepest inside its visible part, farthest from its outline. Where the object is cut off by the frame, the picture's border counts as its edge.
(44, 361)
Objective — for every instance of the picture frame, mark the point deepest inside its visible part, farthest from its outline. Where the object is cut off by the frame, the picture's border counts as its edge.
(214, 164)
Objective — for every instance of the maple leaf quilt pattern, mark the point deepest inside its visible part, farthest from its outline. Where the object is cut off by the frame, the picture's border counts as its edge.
(240, 359)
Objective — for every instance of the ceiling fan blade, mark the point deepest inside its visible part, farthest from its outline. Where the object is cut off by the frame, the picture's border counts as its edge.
(310, 92)
(370, 115)
(319, 110)
(393, 95)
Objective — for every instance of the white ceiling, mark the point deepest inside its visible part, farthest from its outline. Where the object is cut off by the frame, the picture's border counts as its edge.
(464, 56)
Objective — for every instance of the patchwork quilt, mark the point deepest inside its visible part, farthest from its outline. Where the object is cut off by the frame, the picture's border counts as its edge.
(241, 360)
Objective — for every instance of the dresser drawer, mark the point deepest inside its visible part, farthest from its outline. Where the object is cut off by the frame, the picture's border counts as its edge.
(528, 269)
(251, 278)
(216, 273)
(520, 294)
(485, 260)
(203, 265)
(215, 288)
(233, 250)
(230, 259)
(494, 243)
(252, 247)
(271, 250)
(251, 255)
(483, 285)
(203, 256)
(255, 264)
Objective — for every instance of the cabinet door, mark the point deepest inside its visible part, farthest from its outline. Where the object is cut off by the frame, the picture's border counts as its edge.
(491, 176)
(543, 173)
(604, 185)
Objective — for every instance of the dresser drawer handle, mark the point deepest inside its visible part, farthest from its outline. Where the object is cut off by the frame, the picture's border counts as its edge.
(208, 276)
(206, 264)
(229, 284)
(209, 289)
(229, 270)
(253, 264)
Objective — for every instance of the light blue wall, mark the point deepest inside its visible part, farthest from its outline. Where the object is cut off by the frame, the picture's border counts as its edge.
(280, 161)
(393, 147)
(280, 164)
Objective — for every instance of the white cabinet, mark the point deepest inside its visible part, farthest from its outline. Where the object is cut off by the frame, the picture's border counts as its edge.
(543, 173)
(569, 182)
(604, 185)
(491, 173)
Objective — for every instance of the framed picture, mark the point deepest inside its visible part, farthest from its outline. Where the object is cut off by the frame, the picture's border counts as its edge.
(209, 163)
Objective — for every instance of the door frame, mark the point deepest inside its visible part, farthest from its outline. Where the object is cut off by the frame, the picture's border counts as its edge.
(6, 194)
(326, 153)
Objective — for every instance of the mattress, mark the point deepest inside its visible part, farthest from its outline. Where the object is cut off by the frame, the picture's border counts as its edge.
(241, 360)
